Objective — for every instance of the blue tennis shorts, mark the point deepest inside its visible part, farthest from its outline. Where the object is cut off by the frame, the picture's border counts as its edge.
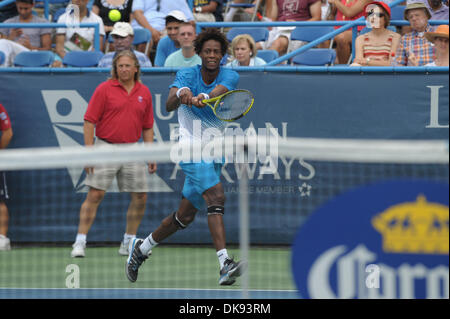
(199, 178)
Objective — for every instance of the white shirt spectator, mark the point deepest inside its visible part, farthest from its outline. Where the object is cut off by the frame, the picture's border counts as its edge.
(87, 33)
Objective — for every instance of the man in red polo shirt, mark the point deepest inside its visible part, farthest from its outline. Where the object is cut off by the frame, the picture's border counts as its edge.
(5, 138)
(119, 112)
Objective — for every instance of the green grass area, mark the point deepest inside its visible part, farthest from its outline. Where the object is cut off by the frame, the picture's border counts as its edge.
(168, 267)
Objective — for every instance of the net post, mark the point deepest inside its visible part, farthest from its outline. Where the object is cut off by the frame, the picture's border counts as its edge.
(244, 231)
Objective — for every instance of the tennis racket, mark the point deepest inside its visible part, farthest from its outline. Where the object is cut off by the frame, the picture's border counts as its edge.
(231, 105)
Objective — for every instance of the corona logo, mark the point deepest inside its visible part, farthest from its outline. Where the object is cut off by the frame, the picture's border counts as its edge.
(417, 227)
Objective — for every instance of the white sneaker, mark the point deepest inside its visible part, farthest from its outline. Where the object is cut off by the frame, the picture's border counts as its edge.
(128, 248)
(78, 249)
(123, 250)
(5, 243)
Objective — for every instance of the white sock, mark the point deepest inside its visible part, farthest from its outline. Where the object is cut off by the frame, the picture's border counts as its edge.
(230, 14)
(147, 245)
(81, 238)
(127, 238)
(222, 255)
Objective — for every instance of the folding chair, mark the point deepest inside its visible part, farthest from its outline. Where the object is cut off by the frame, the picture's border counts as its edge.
(82, 58)
(34, 59)
(315, 57)
(142, 35)
(309, 34)
(258, 34)
(267, 55)
(397, 13)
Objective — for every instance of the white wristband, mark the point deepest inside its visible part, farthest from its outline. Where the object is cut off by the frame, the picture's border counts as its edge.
(179, 90)
(206, 96)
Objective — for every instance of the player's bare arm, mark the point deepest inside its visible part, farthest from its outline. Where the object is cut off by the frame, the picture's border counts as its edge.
(174, 101)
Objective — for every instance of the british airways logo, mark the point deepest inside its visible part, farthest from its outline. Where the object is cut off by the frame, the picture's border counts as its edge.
(66, 109)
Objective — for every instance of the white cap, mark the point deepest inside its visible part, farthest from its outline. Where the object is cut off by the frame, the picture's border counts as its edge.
(122, 29)
(177, 14)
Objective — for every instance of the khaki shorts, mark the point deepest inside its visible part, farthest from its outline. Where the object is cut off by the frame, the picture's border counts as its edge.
(131, 177)
(277, 32)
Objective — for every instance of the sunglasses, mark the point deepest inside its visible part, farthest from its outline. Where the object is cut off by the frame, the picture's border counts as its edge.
(377, 14)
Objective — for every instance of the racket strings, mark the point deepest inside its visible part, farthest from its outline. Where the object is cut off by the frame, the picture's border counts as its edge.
(233, 106)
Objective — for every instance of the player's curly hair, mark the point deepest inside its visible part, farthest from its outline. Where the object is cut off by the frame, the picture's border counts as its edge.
(211, 34)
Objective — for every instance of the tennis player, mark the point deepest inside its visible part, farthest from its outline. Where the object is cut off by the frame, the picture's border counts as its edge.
(202, 184)
(120, 111)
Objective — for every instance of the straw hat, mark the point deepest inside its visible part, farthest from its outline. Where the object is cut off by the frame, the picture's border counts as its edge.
(416, 5)
(441, 31)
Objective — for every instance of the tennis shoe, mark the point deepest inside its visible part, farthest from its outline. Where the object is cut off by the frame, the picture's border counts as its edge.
(5, 243)
(124, 249)
(230, 271)
(78, 249)
(135, 260)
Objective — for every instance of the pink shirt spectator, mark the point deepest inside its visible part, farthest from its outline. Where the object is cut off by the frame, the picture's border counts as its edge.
(297, 10)
(340, 16)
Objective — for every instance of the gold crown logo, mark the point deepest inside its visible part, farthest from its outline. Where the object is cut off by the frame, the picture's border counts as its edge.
(414, 227)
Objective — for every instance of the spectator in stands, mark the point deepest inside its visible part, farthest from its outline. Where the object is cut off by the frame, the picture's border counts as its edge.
(151, 14)
(169, 43)
(24, 39)
(7, 11)
(186, 55)
(208, 10)
(244, 51)
(346, 10)
(78, 38)
(437, 9)
(414, 49)
(440, 40)
(103, 7)
(289, 10)
(123, 35)
(5, 139)
(377, 47)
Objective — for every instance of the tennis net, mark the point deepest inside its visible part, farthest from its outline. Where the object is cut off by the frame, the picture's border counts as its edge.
(269, 200)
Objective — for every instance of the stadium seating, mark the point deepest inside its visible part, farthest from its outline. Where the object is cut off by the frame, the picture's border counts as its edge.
(258, 34)
(2, 57)
(142, 36)
(57, 14)
(34, 59)
(311, 33)
(366, 29)
(267, 55)
(82, 58)
(397, 13)
(315, 57)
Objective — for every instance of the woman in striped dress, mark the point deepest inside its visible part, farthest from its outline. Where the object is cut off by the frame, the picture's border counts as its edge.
(377, 47)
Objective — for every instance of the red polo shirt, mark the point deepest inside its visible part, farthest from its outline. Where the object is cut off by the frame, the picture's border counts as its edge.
(120, 117)
(5, 122)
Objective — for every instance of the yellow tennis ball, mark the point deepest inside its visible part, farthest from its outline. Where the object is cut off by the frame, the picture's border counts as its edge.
(114, 15)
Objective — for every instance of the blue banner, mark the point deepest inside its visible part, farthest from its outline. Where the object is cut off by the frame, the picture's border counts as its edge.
(47, 110)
